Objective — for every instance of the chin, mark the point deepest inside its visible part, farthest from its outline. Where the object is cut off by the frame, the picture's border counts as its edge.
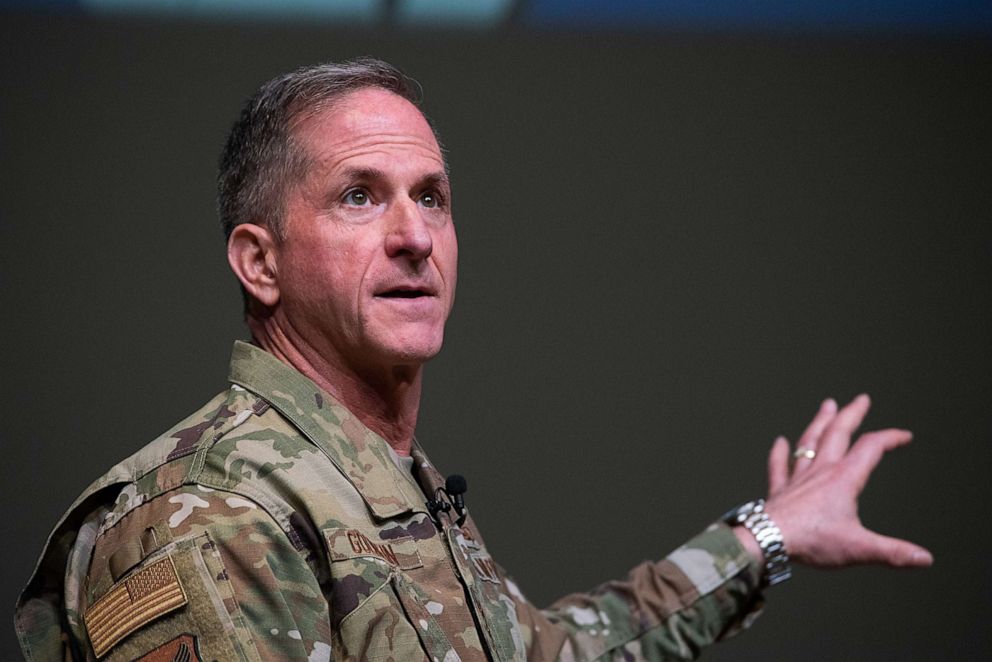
(412, 353)
(417, 355)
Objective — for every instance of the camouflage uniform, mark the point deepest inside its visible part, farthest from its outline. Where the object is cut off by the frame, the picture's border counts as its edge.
(272, 524)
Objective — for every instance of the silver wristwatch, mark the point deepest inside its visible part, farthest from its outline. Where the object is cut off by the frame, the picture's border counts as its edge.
(752, 516)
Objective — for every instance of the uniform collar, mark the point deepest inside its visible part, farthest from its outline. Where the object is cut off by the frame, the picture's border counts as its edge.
(361, 455)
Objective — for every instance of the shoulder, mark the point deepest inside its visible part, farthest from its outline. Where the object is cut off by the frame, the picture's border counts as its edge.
(207, 472)
(231, 443)
(170, 490)
(215, 566)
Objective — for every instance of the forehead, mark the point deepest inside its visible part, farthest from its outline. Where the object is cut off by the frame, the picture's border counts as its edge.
(367, 122)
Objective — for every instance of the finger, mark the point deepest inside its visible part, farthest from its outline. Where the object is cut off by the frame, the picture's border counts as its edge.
(876, 548)
(869, 449)
(811, 435)
(778, 466)
(836, 438)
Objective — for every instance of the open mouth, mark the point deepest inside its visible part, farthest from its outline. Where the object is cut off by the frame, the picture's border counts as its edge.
(405, 293)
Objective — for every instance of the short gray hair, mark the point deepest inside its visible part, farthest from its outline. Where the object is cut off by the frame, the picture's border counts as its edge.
(261, 159)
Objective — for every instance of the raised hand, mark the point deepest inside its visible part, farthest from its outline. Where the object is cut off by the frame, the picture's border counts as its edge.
(815, 501)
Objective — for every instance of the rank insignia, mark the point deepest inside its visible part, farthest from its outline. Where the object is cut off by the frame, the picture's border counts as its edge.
(181, 649)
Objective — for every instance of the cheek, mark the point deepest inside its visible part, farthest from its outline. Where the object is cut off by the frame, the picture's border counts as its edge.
(322, 281)
(448, 257)
(451, 278)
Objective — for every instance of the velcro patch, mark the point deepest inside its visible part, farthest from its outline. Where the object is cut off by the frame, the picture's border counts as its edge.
(345, 544)
(485, 568)
(141, 598)
(181, 649)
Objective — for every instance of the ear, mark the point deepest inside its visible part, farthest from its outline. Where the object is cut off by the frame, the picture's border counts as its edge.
(252, 256)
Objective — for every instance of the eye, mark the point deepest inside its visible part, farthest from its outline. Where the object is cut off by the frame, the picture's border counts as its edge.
(430, 200)
(357, 197)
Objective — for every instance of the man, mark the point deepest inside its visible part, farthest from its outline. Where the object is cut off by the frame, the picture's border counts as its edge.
(295, 517)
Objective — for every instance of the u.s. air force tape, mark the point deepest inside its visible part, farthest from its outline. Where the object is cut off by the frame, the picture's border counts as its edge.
(132, 603)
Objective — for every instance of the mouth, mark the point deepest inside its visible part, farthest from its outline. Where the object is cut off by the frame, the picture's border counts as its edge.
(405, 292)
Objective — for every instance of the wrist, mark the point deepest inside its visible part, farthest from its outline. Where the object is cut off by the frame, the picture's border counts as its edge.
(762, 538)
(750, 545)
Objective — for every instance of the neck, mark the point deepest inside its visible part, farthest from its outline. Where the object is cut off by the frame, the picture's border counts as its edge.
(386, 400)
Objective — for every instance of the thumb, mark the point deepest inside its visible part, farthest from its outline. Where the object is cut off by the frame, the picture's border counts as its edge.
(893, 552)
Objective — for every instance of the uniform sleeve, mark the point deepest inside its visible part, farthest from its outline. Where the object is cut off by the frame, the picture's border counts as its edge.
(666, 610)
(197, 573)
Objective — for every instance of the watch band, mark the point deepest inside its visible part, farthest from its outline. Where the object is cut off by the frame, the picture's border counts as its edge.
(752, 516)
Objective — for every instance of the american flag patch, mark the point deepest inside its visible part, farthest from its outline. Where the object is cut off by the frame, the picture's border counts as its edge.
(141, 598)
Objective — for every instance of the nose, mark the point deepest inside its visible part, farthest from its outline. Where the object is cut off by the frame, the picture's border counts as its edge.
(407, 234)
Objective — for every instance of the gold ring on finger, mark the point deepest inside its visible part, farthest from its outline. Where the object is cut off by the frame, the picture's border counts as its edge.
(805, 453)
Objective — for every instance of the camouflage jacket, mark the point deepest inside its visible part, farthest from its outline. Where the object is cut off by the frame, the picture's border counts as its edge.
(271, 524)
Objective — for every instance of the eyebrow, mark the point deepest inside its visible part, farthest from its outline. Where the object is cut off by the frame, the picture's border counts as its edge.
(437, 179)
(371, 174)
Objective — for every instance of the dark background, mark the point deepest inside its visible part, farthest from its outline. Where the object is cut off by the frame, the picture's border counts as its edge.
(672, 248)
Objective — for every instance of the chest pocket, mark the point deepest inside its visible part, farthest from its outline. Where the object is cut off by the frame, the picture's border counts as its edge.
(377, 613)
